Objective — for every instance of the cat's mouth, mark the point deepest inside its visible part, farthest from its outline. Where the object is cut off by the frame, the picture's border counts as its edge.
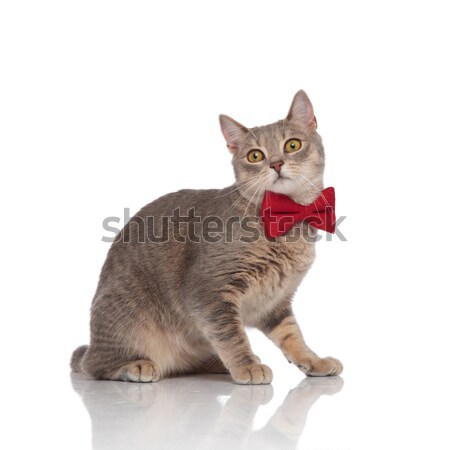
(281, 177)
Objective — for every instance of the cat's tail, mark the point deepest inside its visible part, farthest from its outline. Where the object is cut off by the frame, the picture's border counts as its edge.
(77, 357)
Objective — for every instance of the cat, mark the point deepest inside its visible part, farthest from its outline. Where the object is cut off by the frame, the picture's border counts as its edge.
(169, 303)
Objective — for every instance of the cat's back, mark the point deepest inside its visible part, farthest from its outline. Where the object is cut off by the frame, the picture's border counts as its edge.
(167, 227)
(164, 239)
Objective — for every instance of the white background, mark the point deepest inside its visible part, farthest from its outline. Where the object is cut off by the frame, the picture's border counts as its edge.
(108, 105)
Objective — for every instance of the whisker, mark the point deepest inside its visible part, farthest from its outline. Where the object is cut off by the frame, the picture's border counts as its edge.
(256, 192)
(238, 185)
(303, 186)
(316, 187)
(242, 195)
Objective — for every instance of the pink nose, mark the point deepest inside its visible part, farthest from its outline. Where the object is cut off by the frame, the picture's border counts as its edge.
(276, 166)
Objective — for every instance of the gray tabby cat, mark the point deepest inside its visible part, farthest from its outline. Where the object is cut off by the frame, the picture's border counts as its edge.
(173, 299)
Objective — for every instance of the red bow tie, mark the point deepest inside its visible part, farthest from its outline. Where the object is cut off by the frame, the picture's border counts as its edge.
(279, 213)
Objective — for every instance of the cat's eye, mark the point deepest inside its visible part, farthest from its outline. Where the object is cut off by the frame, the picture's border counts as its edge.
(293, 145)
(255, 156)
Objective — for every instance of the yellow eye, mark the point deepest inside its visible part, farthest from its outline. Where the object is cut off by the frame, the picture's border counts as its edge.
(293, 145)
(255, 156)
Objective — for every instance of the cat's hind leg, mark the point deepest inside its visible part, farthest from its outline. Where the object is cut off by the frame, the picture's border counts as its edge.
(122, 343)
(106, 363)
(142, 370)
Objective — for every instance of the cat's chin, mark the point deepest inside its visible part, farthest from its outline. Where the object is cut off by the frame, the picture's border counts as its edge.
(292, 189)
(283, 185)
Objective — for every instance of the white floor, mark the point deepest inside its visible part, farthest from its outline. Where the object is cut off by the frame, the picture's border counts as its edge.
(210, 412)
(198, 412)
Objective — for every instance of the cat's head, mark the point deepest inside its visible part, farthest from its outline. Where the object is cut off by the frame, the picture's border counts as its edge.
(286, 156)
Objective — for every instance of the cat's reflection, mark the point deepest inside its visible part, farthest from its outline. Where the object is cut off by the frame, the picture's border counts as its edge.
(196, 412)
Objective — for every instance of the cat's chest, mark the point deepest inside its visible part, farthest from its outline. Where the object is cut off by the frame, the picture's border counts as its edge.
(274, 272)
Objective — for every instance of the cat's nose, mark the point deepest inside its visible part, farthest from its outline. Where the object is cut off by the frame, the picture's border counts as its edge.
(276, 166)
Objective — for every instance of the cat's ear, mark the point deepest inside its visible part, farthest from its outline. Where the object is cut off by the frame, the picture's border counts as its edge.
(233, 132)
(302, 112)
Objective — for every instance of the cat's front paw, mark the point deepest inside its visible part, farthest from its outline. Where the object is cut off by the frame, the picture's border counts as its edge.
(252, 374)
(321, 367)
